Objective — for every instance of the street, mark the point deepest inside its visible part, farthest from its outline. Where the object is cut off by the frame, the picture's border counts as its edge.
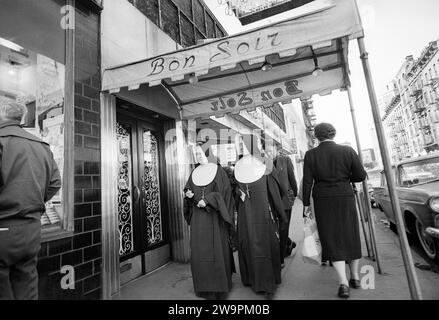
(302, 281)
(419, 255)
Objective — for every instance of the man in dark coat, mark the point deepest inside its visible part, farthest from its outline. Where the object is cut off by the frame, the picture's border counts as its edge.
(288, 185)
(29, 177)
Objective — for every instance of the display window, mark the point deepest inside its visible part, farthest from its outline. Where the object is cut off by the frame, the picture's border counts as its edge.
(37, 82)
(33, 73)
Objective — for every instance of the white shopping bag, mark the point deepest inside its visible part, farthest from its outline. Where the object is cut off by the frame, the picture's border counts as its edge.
(312, 249)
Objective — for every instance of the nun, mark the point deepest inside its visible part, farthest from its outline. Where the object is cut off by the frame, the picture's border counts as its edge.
(208, 209)
(260, 209)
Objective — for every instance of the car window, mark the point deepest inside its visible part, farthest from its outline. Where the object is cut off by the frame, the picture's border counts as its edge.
(419, 172)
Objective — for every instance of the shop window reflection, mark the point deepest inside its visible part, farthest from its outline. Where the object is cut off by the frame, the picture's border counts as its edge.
(37, 82)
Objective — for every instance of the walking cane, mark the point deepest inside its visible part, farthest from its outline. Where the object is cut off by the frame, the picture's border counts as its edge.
(360, 213)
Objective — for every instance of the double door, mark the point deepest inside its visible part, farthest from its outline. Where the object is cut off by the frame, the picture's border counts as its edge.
(142, 209)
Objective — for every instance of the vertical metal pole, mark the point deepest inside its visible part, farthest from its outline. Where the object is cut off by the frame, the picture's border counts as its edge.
(109, 192)
(363, 222)
(69, 124)
(412, 279)
(368, 211)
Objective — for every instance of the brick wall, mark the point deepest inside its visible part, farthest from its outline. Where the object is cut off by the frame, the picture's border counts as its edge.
(83, 251)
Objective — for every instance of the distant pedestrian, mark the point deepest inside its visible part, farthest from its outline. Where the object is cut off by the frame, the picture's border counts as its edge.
(287, 181)
(329, 170)
(29, 177)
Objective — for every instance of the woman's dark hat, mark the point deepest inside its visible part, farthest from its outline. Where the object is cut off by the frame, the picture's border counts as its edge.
(324, 131)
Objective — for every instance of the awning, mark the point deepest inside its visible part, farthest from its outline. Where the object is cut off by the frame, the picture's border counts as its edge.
(229, 70)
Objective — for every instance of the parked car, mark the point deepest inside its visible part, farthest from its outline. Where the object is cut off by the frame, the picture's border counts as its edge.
(417, 184)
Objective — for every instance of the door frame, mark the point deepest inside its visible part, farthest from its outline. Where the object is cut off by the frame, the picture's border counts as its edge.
(135, 214)
(109, 191)
(164, 208)
(141, 118)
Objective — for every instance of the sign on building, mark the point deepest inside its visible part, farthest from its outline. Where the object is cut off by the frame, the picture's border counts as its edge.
(368, 155)
(294, 146)
(249, 11)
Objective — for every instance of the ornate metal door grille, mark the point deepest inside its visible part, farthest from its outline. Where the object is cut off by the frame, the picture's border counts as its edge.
(125, 207)
(151, 189)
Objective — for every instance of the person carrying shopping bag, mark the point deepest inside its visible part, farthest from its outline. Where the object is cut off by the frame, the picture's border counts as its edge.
(328, 171)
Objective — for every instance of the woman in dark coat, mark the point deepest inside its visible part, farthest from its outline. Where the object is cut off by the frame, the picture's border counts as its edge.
(208, 209)
(329, 170)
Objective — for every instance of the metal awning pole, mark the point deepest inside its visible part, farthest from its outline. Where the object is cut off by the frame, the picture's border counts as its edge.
(412, 279)
(363, 224)
(367, 206)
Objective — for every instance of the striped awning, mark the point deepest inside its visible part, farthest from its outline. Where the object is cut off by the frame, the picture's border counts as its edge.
(297, 58)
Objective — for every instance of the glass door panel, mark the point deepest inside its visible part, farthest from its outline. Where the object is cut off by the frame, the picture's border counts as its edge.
(151, 189)
(124, 186)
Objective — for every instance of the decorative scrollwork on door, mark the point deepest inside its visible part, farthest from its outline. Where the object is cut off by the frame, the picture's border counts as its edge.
(124, 201)
(151, 189)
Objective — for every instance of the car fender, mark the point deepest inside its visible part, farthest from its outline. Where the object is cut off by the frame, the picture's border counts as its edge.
(423, 214)
(411, 209)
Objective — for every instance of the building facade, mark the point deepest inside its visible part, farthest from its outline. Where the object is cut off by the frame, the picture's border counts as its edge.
(411, 106)
(124, 156)
(52, 65)
(148, 144)
(309, 117)
(299, 134)
(369, 159)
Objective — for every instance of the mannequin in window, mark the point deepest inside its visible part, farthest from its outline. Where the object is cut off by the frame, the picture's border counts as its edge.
(260, 207)
(208, 209)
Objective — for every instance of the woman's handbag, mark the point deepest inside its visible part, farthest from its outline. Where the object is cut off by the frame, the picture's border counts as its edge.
(312, 248)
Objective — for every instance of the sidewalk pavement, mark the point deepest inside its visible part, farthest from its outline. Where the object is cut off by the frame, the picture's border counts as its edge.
(300, 281)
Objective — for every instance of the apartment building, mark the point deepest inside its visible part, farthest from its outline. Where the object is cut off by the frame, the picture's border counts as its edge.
(411, 106)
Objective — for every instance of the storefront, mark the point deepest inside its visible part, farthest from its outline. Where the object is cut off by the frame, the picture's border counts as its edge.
(124, 146)
(291, 59)
(145, 162)
(124, 157)
(222, 84)
(49, 61)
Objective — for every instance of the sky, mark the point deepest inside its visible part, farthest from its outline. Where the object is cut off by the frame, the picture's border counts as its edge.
(393, 30)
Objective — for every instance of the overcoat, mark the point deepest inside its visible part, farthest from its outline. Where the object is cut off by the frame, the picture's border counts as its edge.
(287, 179)
(29, 176)
(259, 215)
(329, 170)
(211, 227)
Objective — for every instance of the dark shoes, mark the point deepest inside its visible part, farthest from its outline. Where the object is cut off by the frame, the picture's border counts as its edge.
(269, 295)
(356, 284)
(290, 248)
(325, 263)
(221, 295)
(343, 291)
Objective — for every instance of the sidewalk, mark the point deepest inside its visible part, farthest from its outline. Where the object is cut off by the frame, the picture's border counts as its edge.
(300, 281)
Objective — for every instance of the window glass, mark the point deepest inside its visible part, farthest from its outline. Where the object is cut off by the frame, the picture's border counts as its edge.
(419, 172)
(32, 72)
